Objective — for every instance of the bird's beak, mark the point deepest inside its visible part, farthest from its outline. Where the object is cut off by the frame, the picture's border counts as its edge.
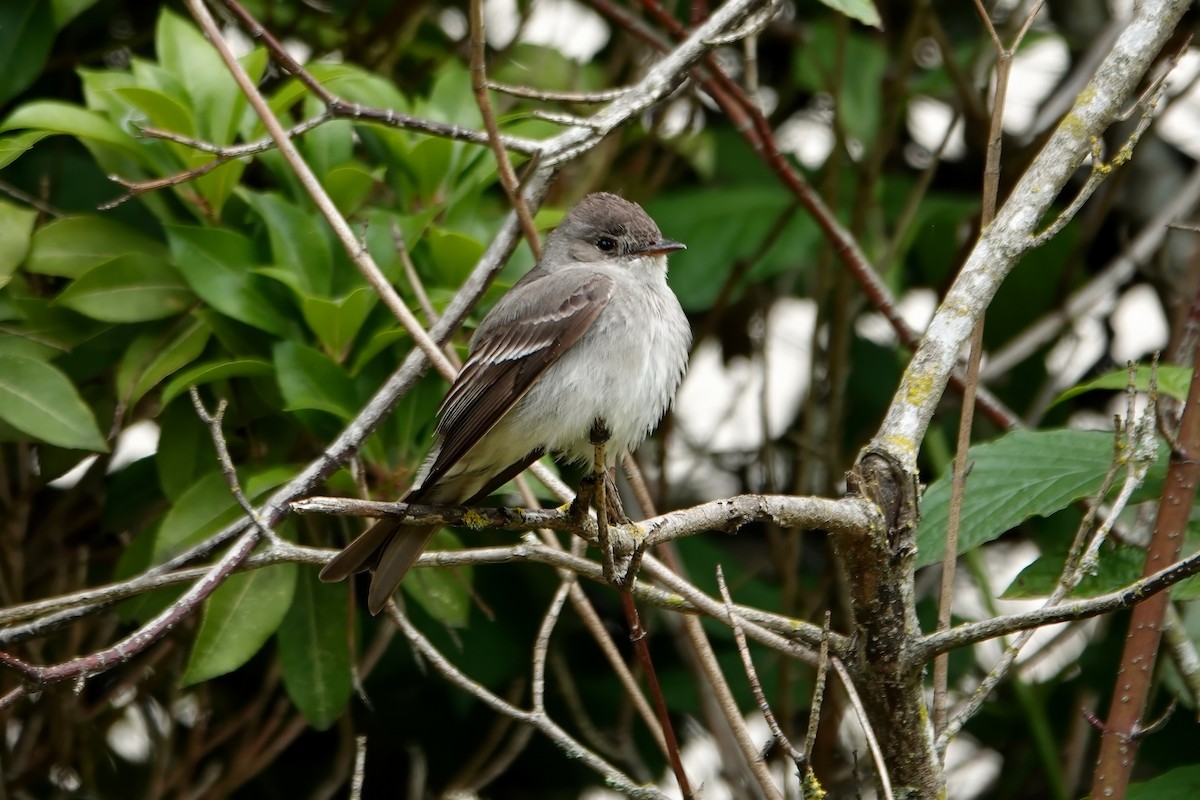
(660, 248)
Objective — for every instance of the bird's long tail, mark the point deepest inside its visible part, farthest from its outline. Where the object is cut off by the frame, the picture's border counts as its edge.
(388, 548)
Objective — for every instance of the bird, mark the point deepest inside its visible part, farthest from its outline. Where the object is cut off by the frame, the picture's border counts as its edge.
(591, 339)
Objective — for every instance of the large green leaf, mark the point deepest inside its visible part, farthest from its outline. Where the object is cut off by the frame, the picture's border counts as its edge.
(1117, 567)
(859, 98)
(129, 288)
(444, 593)
(337, 322)
(26, 34)
(1172, 380)
(721, 230)
(1181, 783)
(16, 227)
(217, 263)
(211, 371)
(70, 246)
(1020, 475)
(207, 506)
(314, 650)
(215, 100)
(58, 117)
(39, 400)
(13, 147)
(297, 241)
(156, 355)
(309, 380)
(239, 618)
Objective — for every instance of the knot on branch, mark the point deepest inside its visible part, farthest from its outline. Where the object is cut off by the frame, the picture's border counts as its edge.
(881, 480)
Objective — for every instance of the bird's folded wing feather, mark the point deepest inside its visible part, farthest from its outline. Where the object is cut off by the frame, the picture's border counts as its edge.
(518, 344)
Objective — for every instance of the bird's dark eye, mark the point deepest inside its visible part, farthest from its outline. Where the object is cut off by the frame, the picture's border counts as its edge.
(606, 243)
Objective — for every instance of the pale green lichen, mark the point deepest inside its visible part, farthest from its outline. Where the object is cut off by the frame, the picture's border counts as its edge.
(474, 520)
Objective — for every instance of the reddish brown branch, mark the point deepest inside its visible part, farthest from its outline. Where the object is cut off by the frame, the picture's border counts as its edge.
(1118, 746)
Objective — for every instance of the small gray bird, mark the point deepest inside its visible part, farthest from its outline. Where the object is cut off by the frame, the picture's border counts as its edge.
(592, 334)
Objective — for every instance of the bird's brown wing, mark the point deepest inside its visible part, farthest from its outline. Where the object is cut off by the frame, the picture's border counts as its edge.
(518, 342)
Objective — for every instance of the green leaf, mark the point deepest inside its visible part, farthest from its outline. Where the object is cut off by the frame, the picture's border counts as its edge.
(348, 186)
(70, 246)
(156, 355)
(16, 227)
(188, 458)
(453, 254)
(207, 506)
(129, 288)
(185, 53)
(165, 112)
(65, 118)
(862, 10)
(337, 322)
(1182, 783)
(1020, 475)
(308, 379)
(211, 371)
(217, 263)
(67, 10)
(39, 400)
(858, 99)
(444, 593)
(13, 147)
(720, 234)
(26, 34)
(314, 652)
(1117, 567)
(239, 618)
(297, 241)
(1173, 381)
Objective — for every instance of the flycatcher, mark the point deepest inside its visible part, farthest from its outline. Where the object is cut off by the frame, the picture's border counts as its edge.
(592, 337)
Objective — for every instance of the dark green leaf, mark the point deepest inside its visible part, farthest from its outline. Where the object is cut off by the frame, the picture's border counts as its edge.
(444, 593)
(718, 234)
(1173, 381)
(314, 649)
(308, 379)
(129, 288)
(337, 322)
(859, 97)
(297, 241)
(156, 355)
(1117, 567)
(13, 147)
(239, 618)
(26, 34)
(217, 264)
(1020, 475)
(67, 10)
(348, 186)
(214, 371)
(39, 400)
(453, 254)
(70, 246)
(187, 458)
(1182, 783)
(207, 506)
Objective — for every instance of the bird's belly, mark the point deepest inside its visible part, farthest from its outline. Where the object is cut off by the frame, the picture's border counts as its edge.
(628, 388)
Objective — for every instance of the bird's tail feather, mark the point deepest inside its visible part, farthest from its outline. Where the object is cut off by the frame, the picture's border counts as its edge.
(388, 548)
